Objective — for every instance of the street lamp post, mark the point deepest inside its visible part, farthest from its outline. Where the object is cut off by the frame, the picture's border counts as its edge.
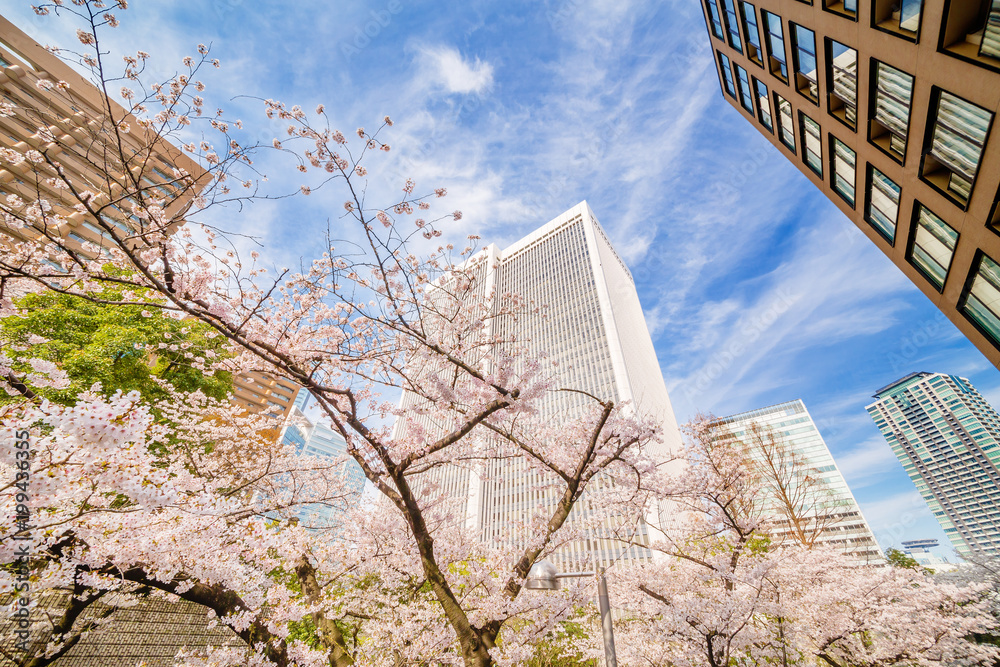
(543, 576)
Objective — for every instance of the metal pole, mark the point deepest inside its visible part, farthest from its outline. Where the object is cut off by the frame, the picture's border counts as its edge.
(606, 629)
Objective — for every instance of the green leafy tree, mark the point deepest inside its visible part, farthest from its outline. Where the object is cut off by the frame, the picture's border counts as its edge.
(111, 344)
(897, 558)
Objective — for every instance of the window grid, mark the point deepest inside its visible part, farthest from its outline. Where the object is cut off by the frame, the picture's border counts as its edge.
(973, 30)
(777, 61)
(843, 170)
(732, 25)
(845, 8)
(892, 94)
(786, 128)
(980, 301)
(752, 33)
(958, 130)
(715, 18)
(804, 58)
(743, 84)
(727, 75)
(842, 82)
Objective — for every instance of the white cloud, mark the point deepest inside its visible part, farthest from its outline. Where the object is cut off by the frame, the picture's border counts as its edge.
(444, 67)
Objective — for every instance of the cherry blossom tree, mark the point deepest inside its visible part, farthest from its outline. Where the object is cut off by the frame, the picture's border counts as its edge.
(727, 593)
(387, 312)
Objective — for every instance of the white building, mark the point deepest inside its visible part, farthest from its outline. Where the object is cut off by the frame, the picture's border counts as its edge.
(832, 506)
(920, 551)
(594, 328)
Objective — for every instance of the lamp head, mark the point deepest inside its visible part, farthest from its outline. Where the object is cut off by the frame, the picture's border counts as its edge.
(542, 577)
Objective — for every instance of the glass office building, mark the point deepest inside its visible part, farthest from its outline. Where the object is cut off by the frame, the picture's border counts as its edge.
(318, 439)
(831, 509)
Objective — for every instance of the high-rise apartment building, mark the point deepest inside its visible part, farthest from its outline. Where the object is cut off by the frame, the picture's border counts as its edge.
(948, 439)
(263, 392)
(594, 328)
(887, 107)
(798, 448)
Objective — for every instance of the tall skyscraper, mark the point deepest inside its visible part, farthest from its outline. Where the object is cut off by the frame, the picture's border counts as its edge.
(948, 439)
(594, 328)
(831, 508)
(886, 106)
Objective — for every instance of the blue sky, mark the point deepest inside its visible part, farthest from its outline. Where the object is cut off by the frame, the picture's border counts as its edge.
(756, 289)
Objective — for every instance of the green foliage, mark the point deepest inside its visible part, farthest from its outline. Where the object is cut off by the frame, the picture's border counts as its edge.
(897, 558)
(559, 648)
(758, 545)
(106, 343)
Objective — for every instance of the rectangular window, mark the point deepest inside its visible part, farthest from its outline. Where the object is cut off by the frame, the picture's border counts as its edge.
(954, 145)
(812, 144)
(901, 18)
(804, 59)
(727, 75)
(981, 301)
(786, 129)
(715, 18)
(994, 219)
(842, 82)
(882, 207)
(892, 91)
(775, 37)
(843, 173)
(847, 8)
(932, 245)
(733, 25)
(763, 105)
(971, 31)
(743, 83)
(752, 33)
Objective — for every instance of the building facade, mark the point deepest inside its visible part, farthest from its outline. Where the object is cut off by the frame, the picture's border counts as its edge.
(887, 107)
(832, 509)
(920, 551)
(42, 95)
(594, 328)
(314, 438)
(948, 439)
(265, 393)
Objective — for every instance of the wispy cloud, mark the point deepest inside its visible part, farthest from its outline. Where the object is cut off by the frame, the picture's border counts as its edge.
(868, 463)
(896, 516)
(444, 67)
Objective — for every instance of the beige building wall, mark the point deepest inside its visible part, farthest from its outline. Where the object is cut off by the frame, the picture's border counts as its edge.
(76, 115)
(942, 54)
